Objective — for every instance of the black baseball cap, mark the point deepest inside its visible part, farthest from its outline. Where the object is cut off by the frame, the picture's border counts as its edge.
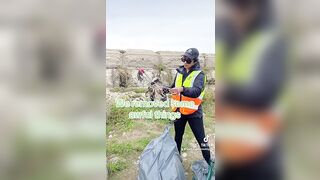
(192, 53)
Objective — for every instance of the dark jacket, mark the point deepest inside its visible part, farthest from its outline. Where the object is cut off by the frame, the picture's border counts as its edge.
(194, 91)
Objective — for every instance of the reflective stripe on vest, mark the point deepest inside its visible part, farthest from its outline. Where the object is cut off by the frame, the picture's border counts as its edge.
(188, 82)
(243, 135)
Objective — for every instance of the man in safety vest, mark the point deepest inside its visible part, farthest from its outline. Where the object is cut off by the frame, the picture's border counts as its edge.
(188, 86)
(250, 72)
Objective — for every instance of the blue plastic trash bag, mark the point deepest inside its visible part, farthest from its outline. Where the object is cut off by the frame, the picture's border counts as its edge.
(161, 160)
(202, 171)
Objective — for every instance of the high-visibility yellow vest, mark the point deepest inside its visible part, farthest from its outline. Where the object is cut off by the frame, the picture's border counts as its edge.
(188, 83)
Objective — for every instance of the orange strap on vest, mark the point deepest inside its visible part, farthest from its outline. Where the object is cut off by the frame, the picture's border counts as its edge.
(186, 110)
(243, 135)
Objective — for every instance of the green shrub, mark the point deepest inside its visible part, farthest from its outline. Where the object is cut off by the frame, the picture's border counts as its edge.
(114, 167)
(209, 103)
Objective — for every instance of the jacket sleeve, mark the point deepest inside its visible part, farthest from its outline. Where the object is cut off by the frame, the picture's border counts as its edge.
(198, 86)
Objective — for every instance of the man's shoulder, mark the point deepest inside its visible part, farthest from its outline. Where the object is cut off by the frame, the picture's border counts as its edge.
(202, 73)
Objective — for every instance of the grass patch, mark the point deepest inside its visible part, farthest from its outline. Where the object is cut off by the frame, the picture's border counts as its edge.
(123, 149)
(139, 90)
(206, 70)
(170, 76)
(129, 89)
(118, 89)
(114, 167)
(119, 148)
(160, 67)
(119, 118)
(209, 98)
(142, 143)
(209, 104)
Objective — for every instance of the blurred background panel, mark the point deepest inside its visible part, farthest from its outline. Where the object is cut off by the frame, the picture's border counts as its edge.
(298, 22)
(302, 146)
(52, 89)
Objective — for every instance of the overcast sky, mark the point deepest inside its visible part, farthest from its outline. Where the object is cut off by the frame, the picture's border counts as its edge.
(173, 25)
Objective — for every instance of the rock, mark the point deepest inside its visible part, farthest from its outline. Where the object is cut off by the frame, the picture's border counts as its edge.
(184, 155)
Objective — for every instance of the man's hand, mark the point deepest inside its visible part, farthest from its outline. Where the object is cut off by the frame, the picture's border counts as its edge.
(176, 90)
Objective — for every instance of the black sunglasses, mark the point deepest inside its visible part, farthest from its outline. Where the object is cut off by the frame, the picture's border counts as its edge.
(186, 59)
